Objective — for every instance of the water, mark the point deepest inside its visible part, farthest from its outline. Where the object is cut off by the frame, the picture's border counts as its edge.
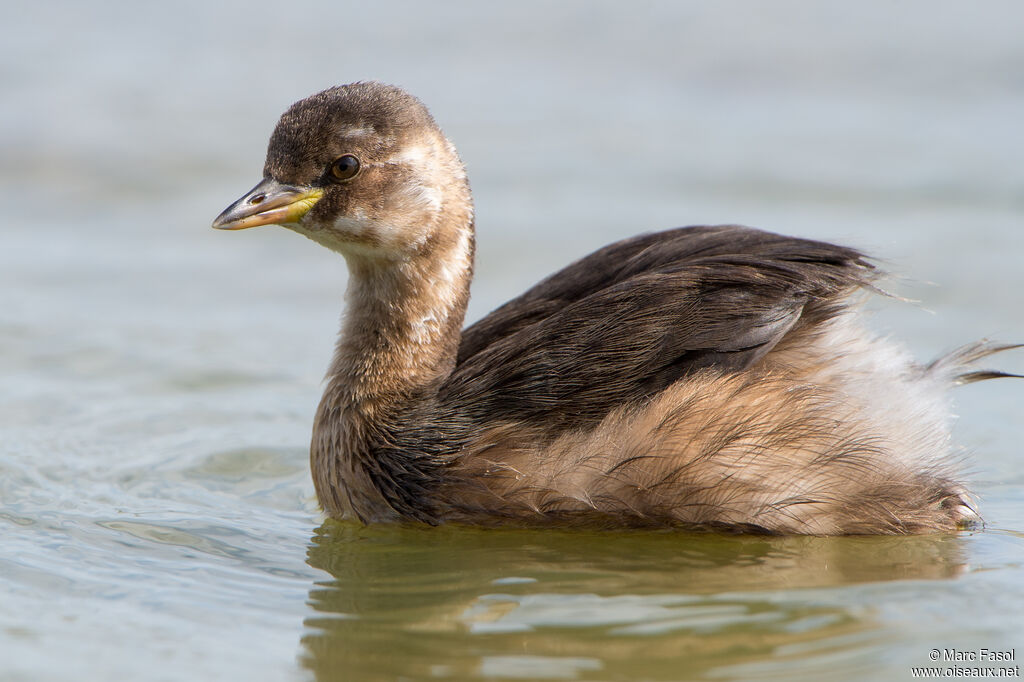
(159, 378)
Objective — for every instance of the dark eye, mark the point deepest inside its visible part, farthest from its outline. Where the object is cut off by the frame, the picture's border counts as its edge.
(344, 168)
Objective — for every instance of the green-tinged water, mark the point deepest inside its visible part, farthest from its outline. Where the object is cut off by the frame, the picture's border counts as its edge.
(460, 603)
(158, 378)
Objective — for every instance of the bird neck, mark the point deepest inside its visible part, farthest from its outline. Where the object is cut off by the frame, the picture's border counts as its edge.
(398, 342)
(401, 329)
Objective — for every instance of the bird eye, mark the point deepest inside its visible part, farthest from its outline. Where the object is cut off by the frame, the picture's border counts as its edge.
(344, 168)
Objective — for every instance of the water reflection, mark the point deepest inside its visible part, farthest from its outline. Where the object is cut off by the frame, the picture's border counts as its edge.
(466, 603)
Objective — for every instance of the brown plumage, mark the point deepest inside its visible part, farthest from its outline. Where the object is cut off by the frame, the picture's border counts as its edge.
(700, 377)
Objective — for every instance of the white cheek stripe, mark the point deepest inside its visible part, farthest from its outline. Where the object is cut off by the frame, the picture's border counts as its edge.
(419, 155)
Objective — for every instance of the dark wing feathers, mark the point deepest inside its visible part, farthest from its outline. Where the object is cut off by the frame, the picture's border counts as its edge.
(630, 319)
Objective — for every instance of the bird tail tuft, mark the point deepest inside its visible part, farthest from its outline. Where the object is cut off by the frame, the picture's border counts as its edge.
(957, 365)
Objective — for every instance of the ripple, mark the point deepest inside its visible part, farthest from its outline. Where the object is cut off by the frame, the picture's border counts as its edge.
(537, 667)
(169, 535)
(242, 464)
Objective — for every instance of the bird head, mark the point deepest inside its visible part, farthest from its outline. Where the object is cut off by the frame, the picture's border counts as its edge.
(362, 169)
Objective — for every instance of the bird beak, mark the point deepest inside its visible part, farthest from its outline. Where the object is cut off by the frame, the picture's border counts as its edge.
(269, 202)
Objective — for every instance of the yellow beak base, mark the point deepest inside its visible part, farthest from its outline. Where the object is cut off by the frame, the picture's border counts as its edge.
(269, 203)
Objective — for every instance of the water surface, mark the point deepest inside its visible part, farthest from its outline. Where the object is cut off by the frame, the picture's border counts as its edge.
(159, 378)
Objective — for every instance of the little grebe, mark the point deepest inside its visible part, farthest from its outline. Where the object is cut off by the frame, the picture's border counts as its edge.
(708, 377)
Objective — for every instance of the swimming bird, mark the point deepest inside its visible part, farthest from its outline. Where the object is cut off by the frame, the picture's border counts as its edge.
(711, 377)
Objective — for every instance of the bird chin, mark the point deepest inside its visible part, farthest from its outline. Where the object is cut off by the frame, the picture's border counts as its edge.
(346, 242)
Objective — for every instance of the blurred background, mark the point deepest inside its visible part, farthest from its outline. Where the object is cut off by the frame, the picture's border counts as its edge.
(159, 377)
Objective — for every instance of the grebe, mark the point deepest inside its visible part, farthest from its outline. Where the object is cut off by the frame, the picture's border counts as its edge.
(704, 377)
